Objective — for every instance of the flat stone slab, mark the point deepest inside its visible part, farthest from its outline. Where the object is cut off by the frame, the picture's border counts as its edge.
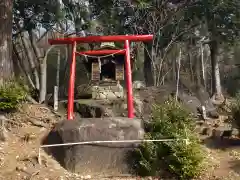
(96, 159)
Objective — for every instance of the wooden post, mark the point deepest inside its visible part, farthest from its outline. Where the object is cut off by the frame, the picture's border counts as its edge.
(56, 88)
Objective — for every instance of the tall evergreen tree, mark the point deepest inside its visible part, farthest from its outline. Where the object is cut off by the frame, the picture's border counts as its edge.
(6, 64)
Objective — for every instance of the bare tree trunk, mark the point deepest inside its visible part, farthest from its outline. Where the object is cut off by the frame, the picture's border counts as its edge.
(178, 72)
(56, 87)
(39, 55)
(190, 65)
(43, 69)
(203, 66)
(197, 69)
(174, 77)
(31, 61)
(64, 75)
(216, 80)
(43, 81)
(148, 69)
(43, 77)
(6, 64)
(22, 66)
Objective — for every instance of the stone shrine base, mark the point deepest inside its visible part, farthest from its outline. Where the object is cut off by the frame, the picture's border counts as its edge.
(96, 159)
(108, 92)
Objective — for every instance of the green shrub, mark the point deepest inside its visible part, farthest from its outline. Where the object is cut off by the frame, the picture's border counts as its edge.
(181, 158)
(11, 94)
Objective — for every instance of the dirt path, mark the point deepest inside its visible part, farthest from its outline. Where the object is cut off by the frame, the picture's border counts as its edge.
(225, 162)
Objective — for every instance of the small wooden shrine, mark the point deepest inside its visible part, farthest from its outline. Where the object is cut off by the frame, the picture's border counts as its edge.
(106, 69)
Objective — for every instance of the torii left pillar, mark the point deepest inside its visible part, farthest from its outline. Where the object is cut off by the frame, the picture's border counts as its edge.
(71, 86)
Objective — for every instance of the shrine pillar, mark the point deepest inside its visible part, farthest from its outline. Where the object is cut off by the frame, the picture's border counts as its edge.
(129, 80)
(70, 114)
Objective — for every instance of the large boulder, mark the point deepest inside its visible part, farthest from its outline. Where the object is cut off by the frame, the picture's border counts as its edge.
(194, 104)
(192, 99)
(206, 101)
(95, 159)
(190, 102)
(199, 92)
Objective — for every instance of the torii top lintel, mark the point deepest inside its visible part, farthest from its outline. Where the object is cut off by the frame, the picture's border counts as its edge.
(92, 39)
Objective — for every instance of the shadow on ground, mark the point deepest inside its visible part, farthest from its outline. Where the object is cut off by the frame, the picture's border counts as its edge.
(235, 166)
(222, 143)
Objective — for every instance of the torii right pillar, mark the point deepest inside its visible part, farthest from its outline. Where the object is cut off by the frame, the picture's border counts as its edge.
(130, 97)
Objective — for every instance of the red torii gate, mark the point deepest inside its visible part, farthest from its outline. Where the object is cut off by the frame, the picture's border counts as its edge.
(91, 39)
